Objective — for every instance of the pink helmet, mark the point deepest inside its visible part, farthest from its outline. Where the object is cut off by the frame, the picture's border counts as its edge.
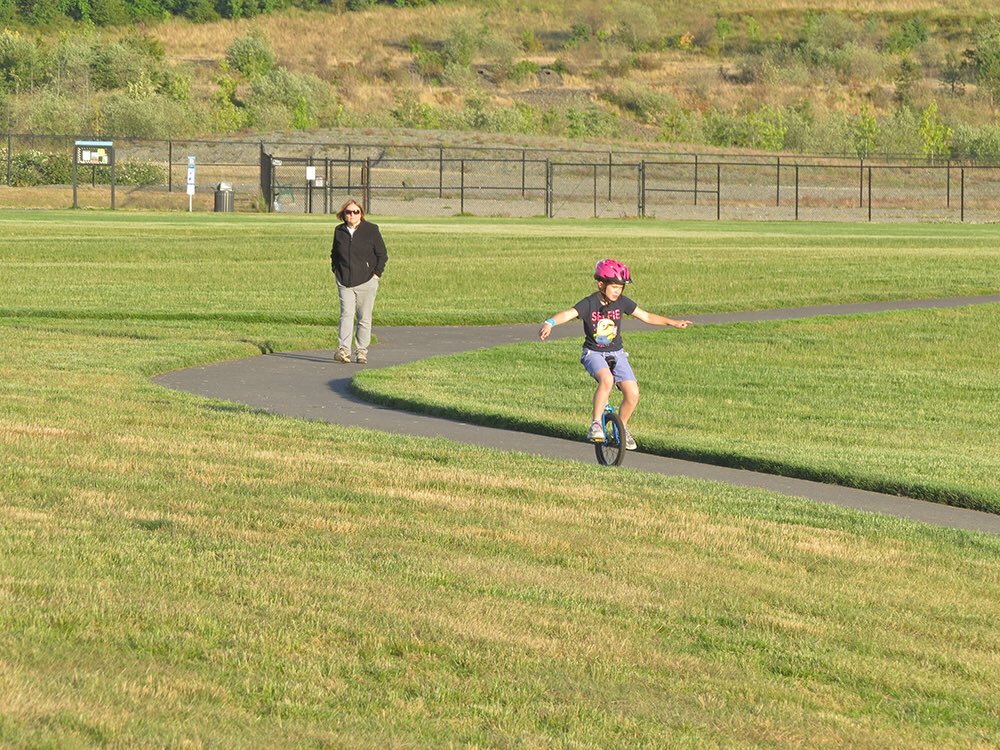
(611, 271)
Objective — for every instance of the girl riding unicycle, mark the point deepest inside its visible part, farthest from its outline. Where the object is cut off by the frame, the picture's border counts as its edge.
(604, 356)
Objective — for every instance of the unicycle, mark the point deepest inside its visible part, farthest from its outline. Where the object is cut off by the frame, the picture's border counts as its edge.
(612, 451)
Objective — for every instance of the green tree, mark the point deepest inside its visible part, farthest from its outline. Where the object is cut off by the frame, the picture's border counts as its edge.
(865, 133)
(766, 129)
(953, 74)
(907, 75)
(935, 136)
(985, 60)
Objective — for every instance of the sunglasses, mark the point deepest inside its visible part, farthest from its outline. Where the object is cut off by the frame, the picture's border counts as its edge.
(352, 210)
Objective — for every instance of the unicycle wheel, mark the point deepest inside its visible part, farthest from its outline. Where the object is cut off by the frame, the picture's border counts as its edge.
(612, 451)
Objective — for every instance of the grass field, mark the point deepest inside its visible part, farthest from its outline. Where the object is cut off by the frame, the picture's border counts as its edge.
(905, 403)
(263, 269)
(182, 572)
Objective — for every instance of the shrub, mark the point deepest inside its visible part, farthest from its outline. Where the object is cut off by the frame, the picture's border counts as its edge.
(49, 112)
(149, 116)
(900, 134)
(907, 35)
(637, 25)
(251, 55)
(763, 129)
(23, 63)
(976, 142)
(646, 105)
(281, 86)
(410, 113)
(499, 52)
(281, 90)
(682, 126)
(591, 122)
(140, 173)
(519, 118)
(113, 66)
(70, 62)
(32, 167)
(104, 12)
(461, 46)
(524, 70)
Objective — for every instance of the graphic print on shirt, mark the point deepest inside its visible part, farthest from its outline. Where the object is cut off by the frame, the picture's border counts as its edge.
(602, 324)
(605, 331)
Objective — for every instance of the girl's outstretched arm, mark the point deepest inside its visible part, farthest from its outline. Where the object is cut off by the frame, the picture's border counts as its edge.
(564, 317)
(658, 320)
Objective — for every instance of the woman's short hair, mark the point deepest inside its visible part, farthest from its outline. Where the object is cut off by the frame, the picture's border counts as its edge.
(350, 202)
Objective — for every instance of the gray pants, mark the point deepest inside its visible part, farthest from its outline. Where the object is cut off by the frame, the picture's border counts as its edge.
(356, 301)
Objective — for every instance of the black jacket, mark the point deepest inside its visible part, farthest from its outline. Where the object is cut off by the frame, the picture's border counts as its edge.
(356, 259)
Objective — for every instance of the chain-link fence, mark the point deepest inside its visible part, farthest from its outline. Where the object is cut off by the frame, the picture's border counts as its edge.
(415, 179)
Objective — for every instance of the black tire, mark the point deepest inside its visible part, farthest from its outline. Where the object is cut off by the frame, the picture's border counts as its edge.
(612, 451)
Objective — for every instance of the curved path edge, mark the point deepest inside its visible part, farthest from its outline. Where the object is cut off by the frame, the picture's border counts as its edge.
(310, 385)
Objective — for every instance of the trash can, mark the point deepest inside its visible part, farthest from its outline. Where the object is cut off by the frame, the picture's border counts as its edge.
(224, 198)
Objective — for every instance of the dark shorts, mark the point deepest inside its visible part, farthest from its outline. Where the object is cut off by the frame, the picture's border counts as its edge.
(594, 362)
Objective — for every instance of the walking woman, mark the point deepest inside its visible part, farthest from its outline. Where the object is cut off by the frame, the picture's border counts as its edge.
(358, 259)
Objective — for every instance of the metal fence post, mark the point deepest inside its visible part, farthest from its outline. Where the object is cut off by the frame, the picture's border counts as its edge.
(523, 169)
(461, 190)
(777, 185)
(309, 190)
(962, 188)
(610, 161)
(170, 166)
(696, 179)
(796, 192)
(326, 185)
(366, 181)
(350, 188)
(869, 193)
(718, 190)
(642, 188)
(861, 183)
(10, 155)
(595, 191)
(948, 185)
(441, 172)
(549, 189)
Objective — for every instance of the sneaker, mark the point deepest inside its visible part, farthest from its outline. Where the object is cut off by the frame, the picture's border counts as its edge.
(342, 355)
(629, 441)
(596, 434)
(362, 358)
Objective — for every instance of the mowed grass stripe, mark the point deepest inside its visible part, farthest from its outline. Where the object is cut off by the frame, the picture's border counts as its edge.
(905, 403)
(477, 271)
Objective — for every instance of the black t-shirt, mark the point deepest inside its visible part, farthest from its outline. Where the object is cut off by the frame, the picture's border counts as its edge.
(602, 324)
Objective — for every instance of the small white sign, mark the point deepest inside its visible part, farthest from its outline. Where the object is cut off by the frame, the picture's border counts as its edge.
(310, 174)
(190, 180)
(190, 189)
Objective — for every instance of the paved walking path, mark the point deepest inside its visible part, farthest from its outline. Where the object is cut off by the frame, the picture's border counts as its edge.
(310, 385)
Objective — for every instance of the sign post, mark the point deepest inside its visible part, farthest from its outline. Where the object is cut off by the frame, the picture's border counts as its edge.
(190, 183)
(95, 154)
